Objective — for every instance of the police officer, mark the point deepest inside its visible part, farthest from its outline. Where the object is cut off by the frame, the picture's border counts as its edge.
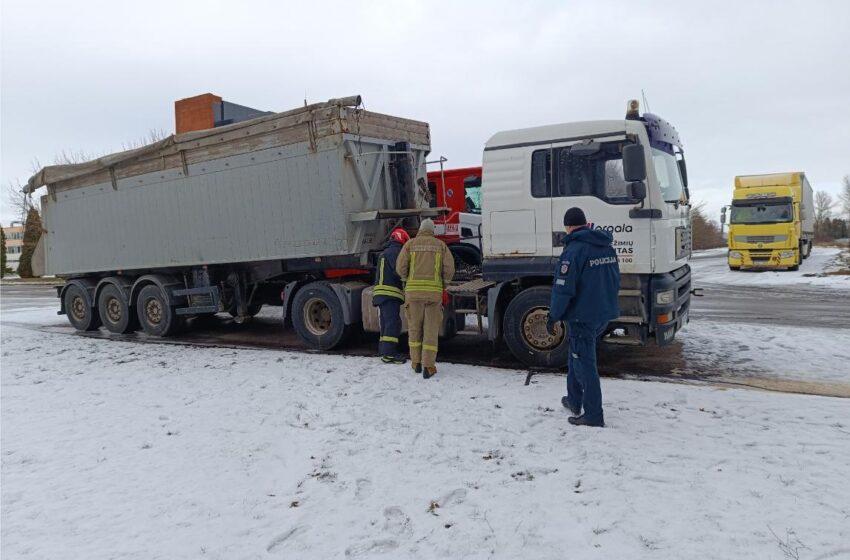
(388, 296)
(427, 266)
(584, 294)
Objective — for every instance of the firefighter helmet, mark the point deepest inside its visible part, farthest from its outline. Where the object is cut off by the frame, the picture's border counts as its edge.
(400, 235)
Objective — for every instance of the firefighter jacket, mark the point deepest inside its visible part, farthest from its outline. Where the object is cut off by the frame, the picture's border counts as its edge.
(587, 279)
(387, 281)
(427, 266)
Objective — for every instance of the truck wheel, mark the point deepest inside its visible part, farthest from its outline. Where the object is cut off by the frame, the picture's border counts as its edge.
(734, 267)
(80, 313)
(525, 330)
(317, 316)
(115, 312)
(156, 316)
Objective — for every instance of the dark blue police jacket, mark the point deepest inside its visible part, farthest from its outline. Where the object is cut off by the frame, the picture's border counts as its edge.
(587, 279)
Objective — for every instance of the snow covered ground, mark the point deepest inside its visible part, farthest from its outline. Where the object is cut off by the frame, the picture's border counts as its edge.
(120, 450)
(711, 267)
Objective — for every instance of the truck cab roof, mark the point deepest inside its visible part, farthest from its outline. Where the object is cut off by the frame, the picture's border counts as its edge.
(566, 132)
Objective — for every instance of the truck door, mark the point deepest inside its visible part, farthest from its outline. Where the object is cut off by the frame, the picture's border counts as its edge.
(517, 187)
(589, 175)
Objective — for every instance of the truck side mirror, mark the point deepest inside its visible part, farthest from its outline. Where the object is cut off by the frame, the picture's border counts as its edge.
(634, 164)
(723, 215)
(637, 190)
(683, 171)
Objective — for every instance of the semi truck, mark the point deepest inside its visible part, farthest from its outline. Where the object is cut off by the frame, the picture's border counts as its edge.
(771, 223)
(292, 209)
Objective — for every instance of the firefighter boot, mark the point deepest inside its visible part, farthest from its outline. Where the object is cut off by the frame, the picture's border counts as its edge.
(417, 367)
(430, 371)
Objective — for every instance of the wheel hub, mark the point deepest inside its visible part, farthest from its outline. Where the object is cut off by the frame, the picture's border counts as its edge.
(534, 330)
(317, 316)
(153, 311)
(78, 308)
(113, 310)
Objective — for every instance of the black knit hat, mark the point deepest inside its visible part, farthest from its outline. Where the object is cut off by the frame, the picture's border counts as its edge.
(574, 217)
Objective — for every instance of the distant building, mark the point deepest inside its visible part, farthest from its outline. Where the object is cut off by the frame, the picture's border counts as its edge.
(14, 244)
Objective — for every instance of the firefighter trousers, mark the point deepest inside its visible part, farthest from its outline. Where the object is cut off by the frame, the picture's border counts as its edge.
(423, 328)
(389, 312)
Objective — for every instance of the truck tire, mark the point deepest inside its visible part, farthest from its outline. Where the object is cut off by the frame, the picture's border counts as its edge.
(318, 317)
(525, 330)
(115, 312)
(156, 316)
(80, 313)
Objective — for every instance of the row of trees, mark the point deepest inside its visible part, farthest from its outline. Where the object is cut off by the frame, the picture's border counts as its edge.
(831, 215)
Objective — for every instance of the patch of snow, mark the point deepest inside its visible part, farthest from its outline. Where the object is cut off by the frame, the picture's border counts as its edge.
(711, 267)
(113, 449)
(772, 351)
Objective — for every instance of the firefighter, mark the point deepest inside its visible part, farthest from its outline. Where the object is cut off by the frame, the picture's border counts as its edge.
(584, 294)
(388, 296)
(427, 266)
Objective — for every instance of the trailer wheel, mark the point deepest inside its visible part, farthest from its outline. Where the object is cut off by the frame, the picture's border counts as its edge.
(318, 317)
(80, 313)
(156, 316)
(115, 312)
(525, 330)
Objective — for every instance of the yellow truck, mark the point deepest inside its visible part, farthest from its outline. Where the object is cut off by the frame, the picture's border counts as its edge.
(771, 224)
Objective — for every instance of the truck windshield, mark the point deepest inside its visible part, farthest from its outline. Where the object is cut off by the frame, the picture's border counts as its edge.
(761, 213)
(669, 179)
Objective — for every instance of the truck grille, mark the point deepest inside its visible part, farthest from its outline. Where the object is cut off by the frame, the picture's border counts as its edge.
(760, 238)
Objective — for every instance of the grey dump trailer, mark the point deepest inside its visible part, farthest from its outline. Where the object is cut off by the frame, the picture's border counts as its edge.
(287, 209)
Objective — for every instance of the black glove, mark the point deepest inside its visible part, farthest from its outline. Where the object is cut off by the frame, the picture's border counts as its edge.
(550, 326)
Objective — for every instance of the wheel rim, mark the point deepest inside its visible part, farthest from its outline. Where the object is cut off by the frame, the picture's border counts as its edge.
(153, 311)
(534, 330)
(317, 316)
(78, 308)
(113, 310)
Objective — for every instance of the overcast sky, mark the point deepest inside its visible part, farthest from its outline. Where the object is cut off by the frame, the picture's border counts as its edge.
(752, 87)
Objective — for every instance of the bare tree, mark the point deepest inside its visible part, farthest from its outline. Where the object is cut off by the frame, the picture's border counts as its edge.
(705, 232)
(19, 201)
(844, 197)
(823, 212)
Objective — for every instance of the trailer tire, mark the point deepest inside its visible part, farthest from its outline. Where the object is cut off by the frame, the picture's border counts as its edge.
(156, 316)
(115, 312)
(81, 314)
(318, 317)
(525, 316)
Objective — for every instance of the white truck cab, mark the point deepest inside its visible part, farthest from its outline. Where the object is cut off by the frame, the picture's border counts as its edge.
(629, 178)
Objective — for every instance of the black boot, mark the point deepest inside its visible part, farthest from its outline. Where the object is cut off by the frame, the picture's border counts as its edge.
(393, 359)
(417, 367)
(582, 421)
(429, 372)
(576, 410)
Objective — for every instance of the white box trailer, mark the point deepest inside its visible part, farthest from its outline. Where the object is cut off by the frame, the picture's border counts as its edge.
(227, 218)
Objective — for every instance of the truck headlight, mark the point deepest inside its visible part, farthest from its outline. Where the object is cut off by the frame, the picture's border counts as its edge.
(786, 254)
(664, 297)
(735, 255)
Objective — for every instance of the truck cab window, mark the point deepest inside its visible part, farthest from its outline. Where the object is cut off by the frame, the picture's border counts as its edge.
(541, 173)
(432, 191)
(669, 179)
(599, 175)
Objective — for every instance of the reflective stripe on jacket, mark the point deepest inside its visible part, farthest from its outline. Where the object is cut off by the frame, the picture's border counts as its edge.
(387, 281)
(427, 266)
